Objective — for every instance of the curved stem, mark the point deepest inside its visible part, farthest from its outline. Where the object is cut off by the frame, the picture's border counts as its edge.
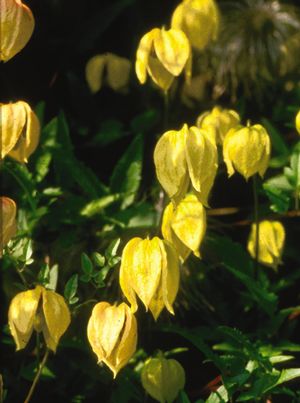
(37, 377)
(256, 219)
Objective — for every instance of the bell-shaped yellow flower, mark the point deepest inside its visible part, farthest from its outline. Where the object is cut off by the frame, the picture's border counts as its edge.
(150, 270)
(297, 122)
(109, 68)
(184, 156)
(20, 130)
(218, 122)
(247, 150)
(112, 333)
(271, 237)
(8, 226)
(163, 379)
(16, 27)
(199, 19)
(184, 226)
(41, 310)
(163, 55)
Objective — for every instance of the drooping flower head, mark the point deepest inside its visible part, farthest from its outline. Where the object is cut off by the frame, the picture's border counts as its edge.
(218, 122)
(150, 270)
(184, 226)
(271, 237)
(16, 27)
(297, 122)
(20, 130)
(247, 150)
(163, 54)
(163, 379)
(199, 20)
(8, 225)
(112, 333)
(40, 310)
(183, 157)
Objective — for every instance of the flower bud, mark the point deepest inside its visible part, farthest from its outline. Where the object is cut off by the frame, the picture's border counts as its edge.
(199, 20)
(16, 27)
(218, 122)
(247, 150)
(8, 224)
(41, 310)
(297, 122)
(112, 333)
(150, 270)
(184, 156)
(163, 55)
(184, 226)
(112, 69)
(20, 130)
(271, 237)
(163, 379)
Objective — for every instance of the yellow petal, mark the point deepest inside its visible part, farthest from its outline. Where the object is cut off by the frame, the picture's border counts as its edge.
(172, 49)
(125, 272)
(297, 122)
(21, 315)
(170, 162)
(16, 27)
(94, 329)
(202, 161)
(12, 123)
(151, 377)
(94, 71)
(143, 53)
(57, 318)
(8, 226)
(159, 74)
(118, 72)
(29, 138)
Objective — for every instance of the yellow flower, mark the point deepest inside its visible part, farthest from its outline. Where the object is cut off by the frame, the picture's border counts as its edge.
(218, 122)
(115, 70)
(112, 333)
(150, 270)
(199, 19)
(184, 226)
(163, 55)
(163, 379)
(297, 122)
(20, 130)
(16, 27)
(8, 224)
(185, 156)
(40, 310)
(247, 150)
(271, 237)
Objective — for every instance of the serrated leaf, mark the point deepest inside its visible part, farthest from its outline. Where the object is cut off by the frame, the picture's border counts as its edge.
(126, 176)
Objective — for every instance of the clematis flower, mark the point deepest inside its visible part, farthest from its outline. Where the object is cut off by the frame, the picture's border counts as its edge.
(16, 27)
(247, 150)
(218, 122)
(199, 20)
(40, 310)
(271, 237)
(109, 68)
(184, 226)
(149, 270)
(20, 130)
(185, 156)
(8, 225)
(297, 122)
(163, 55)
(112, 333)
(163, 379)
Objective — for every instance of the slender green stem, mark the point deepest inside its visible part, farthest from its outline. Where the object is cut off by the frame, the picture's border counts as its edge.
(37, 377)
(256, 219)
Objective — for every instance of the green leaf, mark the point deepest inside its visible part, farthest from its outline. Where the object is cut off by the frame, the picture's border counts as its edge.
(110, 131)
(278, 144)
(86, 265)
(112, 249)
(278, 190)
(182, 397)
(98, 205)
(98, 259)
(145, 121)
(71, 289)
(220, 396)
(126, 176)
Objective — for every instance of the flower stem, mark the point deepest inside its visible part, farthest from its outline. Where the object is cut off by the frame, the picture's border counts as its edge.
(256, 220)
(37, 376)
